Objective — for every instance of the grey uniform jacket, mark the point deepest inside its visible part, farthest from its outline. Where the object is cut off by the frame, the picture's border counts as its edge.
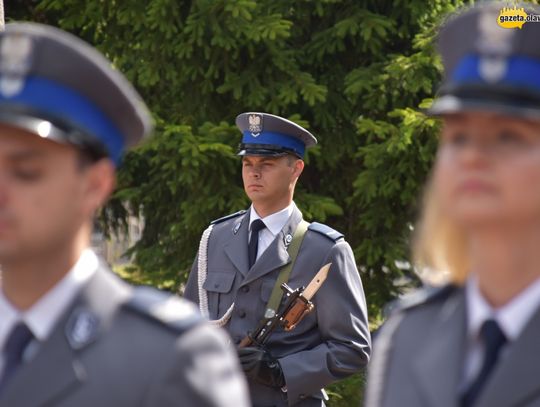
(418, 359)
(120, 347)
(329, 344)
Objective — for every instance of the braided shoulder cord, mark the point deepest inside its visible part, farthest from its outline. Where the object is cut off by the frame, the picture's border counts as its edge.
(202, 266)
(2, 21)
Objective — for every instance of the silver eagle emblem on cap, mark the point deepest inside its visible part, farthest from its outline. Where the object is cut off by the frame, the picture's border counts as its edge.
(255, 124)
(494, 44)
(15, 62)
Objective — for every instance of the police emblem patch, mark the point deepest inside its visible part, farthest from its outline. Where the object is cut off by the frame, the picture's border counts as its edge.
(287, 239)
(15, 61)
(82, 328)
(255, 124)
(492, 69)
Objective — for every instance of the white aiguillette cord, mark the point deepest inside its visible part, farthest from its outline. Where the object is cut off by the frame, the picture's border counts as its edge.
(202, 266)
(2, 23)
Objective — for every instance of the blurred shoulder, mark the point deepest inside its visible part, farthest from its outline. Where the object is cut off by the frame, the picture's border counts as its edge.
(163, 311)
(189, 358)
(416, 311)
(425, 297)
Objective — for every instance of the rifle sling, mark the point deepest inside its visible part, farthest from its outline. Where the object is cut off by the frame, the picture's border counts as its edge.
(285, 272)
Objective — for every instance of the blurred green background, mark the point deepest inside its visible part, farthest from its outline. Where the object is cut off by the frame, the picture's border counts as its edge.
(355, 72)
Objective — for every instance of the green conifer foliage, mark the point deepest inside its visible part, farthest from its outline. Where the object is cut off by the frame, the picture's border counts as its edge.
(355, 72)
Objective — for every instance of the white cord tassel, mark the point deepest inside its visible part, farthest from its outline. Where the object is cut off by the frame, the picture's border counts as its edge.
(203, 268)
(2, 22)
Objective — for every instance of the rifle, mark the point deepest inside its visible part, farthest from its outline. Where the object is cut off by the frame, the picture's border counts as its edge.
(297, 305)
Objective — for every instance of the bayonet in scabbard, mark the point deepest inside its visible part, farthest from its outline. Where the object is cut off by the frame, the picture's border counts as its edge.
(297, 305)
(267, 325)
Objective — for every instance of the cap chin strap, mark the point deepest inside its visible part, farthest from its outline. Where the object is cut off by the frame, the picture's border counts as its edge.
(201, 278)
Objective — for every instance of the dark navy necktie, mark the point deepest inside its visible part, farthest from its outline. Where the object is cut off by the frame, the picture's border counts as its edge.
(253, 245)
(13, 351)
(493, 339)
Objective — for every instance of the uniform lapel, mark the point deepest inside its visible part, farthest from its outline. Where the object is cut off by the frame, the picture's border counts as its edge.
(52, 373)
(237, 247)
(276, 255)
(438, 367)
(521, 360)
(57, 370)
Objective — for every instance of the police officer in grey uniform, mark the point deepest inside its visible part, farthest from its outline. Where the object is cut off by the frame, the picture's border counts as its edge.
(241, 256)
(474, 341)
(71, 333)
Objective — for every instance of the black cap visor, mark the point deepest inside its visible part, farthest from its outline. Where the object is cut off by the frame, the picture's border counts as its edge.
(506, 100)
(52, 129)
(265, 150)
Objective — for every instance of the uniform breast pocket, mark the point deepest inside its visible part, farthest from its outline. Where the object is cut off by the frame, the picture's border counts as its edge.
(218, 286)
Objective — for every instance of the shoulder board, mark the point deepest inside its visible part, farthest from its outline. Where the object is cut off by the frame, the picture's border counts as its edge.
(424, 295)
(327, 231)
(232, 215)
(173, 312)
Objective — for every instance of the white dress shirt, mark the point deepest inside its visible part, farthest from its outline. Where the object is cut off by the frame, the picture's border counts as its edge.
(512, 319)
(274, 223)
(41, 317)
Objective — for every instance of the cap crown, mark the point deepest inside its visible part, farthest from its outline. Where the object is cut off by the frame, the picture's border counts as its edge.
(49, 74)
(488, 66)
(267, 134)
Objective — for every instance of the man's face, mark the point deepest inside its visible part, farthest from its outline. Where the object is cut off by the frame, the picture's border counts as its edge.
(46, 195)
(270, 179)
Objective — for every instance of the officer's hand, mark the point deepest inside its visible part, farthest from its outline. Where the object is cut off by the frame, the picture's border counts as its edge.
(260, 366)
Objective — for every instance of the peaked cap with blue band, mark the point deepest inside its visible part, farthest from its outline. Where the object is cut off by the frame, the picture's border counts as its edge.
(59, 87)
(265, 134)
(489, 67)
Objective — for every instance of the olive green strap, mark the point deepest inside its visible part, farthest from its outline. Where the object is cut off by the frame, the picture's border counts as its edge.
(285, 272)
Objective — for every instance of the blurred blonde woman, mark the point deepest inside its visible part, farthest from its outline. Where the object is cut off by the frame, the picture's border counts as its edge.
(475, 340)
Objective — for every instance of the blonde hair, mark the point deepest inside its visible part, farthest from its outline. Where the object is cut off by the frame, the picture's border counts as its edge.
(439, 246)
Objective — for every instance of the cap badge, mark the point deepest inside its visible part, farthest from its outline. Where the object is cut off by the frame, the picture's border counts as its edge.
(492, 39)
(492, 69)
(15, 61)
(494, 45)
(255, 124)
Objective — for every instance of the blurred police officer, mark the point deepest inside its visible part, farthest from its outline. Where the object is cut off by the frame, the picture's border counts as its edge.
(242, 255)
(474, 342)
(71, 333)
